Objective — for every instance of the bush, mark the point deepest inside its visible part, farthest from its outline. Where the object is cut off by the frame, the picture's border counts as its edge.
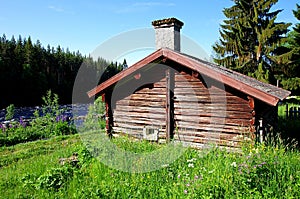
(51, 121)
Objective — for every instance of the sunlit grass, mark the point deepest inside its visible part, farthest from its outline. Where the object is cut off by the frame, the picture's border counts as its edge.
(256, 172)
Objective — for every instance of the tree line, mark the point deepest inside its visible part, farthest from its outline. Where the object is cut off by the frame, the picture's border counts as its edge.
(28, 70)
(252, 42)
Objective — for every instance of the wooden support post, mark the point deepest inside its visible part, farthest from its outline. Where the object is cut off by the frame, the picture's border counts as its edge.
(169, 105)
(252, 121)
(261, 131)
(108, 113)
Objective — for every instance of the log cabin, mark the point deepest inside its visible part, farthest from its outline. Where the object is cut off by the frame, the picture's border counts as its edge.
(169, 95)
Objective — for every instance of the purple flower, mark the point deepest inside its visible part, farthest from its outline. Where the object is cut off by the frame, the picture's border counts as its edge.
(196, 177)
(179, 176)
(188, 184)
(22, 123)
(185, 191)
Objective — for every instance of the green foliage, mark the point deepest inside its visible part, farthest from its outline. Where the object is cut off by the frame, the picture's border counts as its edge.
(94, 119)
(10, 112)
(255, 172)
(251, 41)
(292, 84)
(54, 178)
(50, 122)
(288, 128)
(290, 76)
(32, 69)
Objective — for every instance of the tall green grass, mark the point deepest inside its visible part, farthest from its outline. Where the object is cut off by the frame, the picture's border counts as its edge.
(255, 172)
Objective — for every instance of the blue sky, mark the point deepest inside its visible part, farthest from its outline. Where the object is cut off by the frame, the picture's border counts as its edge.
(84, 24)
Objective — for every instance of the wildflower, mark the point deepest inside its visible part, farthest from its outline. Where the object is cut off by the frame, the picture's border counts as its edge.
(191, 160)
(191, 165)
(22, 122)
(179, 176)
(196, 177)
(185, 191)
(211, 171)
(233, 164)
(188, 184)
(165, 165)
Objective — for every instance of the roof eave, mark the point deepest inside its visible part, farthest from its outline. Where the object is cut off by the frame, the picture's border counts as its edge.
(111, 81)
(193, 64)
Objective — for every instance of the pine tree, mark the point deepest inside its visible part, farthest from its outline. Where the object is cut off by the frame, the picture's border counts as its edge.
(290, 78)
(251, 41)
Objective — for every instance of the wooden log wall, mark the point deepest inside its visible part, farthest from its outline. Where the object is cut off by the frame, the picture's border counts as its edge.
(145, 107)
(208, 114)
(202, 113)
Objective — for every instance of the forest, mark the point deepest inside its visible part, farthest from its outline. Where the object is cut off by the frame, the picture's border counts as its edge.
(251, 42)
(28, 70)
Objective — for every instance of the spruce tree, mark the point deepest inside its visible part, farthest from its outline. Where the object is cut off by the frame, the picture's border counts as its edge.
(290, 78)
(251, 39)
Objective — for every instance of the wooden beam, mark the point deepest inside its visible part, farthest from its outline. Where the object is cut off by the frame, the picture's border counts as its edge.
(251, 103)
(108, 113)
(169, 104)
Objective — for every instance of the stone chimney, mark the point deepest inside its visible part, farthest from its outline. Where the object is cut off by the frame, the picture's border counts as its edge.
(167, 33)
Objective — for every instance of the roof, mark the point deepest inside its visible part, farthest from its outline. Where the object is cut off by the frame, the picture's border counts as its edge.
(265, 92)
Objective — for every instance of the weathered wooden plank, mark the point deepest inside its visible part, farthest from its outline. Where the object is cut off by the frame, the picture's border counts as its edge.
(195, 116)
(209, 120)
(198, 133)
(209, 107)
(141, 103)
(212, 128)
(141, 109)
(136, 122)
(139, 115)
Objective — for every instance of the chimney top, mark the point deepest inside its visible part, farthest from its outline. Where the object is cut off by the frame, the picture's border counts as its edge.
(168, 21)
(167, 33)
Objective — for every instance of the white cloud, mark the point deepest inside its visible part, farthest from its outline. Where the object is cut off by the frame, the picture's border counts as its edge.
(56, 9)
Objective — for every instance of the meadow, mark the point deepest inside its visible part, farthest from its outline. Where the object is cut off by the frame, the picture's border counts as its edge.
(32, 170)
(35, 170)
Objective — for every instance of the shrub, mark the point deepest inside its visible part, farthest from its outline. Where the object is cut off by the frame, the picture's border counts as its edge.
(50, 121)
(10, 112)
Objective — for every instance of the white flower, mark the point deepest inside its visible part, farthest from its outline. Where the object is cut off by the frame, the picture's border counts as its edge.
(233, 164)
(211, 171)
(191, 160)
(165, 165)
(191, 165)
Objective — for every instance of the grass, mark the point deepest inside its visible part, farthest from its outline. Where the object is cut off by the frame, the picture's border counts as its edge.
(288, 128)
(32, 170)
